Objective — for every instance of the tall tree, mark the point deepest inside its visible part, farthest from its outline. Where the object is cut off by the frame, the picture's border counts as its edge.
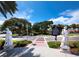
(77, 26)
(7, 7)
(60, 27)
(17, 25)
(41, 27)
(73, 26)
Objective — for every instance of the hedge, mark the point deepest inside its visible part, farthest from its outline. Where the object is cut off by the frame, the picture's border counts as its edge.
(56, 44)
(1, 43)
(21, 43)
(16, 43)
(73, 44)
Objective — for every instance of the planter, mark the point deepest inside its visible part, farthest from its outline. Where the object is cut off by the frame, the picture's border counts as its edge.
(74, 51)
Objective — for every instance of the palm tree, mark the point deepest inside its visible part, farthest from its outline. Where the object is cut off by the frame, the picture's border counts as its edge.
(7, 7)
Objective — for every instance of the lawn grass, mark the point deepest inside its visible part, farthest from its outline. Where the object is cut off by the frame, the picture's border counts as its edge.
(14, 34)
(73, 34)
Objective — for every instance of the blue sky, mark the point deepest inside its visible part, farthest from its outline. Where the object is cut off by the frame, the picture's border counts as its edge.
(60, 12)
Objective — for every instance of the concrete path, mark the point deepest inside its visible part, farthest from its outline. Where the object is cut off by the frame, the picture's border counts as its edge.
(43, 50)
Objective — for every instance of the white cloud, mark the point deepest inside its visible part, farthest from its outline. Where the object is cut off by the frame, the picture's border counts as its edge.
(67, 20)
(74, 13)
(1, 22)
(59, 20)
(19, 15)
(27, 14)
(2, 19)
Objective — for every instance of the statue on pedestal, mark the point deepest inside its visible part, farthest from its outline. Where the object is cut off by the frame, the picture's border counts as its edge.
(8, 40)
(64, 45)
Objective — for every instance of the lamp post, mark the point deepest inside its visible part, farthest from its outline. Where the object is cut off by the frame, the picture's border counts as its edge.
(40, 30)
(27, 31)
(31, 29)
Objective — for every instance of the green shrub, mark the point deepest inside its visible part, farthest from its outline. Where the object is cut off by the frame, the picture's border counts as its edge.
(16, 43)
(73, 44)
(54, 44)
(21, 43)
(29, 42)
(1, 43)
(77, 44)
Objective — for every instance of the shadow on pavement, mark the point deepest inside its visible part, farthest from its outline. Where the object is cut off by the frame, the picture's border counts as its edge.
(18, 52)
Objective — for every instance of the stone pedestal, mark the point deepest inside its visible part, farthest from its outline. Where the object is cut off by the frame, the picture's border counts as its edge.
(8, 47)
(8, 40)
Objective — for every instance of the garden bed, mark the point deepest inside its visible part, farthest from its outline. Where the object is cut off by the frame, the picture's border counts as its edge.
(21, 43)
(16, 43)
(74, 51)
(74, 46)
(54, 44)
(1, 44)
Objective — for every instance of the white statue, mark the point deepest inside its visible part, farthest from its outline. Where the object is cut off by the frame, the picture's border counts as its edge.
(64, 45)
(8, 39)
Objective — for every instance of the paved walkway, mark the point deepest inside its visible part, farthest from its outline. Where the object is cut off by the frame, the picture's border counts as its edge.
(43, 50)
(39, 48)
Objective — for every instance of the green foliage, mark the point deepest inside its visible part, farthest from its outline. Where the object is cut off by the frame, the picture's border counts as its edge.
(16, 43)
(54, 44)
(7, 7)
(41, 27)
(1, 42)
(74, 26)
(17, 26)
(73, 44)
(29, 42)
(14, 35)
(21, 43)
(73, 34)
